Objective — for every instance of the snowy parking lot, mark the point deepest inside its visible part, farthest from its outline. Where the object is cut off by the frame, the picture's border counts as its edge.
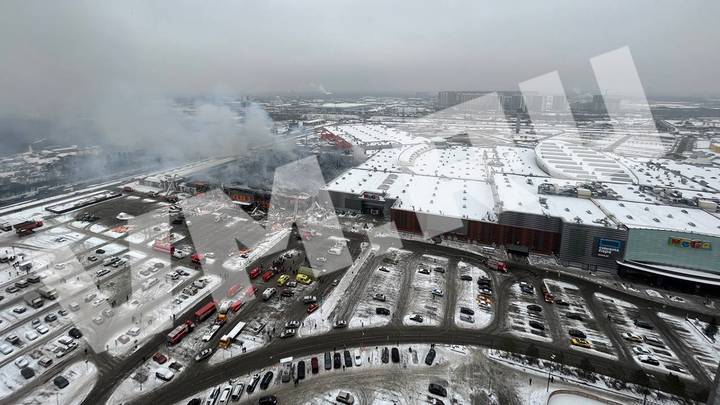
(469, 296)
(525, 310)
(428, 291)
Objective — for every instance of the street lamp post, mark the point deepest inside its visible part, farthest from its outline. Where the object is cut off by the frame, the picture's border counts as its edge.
(552, 357)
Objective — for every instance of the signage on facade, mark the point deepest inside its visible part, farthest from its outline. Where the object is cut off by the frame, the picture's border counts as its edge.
(689, 243)
(608, 248)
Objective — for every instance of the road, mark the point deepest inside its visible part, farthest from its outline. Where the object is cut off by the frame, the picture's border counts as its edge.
(200, 376)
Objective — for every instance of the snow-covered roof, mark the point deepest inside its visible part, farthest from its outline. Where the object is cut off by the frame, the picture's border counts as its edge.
(428, 194)
(516, 194)
(652, 216)
(569, 161)
(373, 135)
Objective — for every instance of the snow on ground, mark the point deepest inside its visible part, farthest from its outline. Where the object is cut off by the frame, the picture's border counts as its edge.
(238, 263)
(151, 310)
(431, 307)
(319, 322)
(54, 238)
(601, 343)
(623, 314)
(373, 381)
(566, 378)
(143, 379)
(245, 343)
(384, 280)
(519, 315)
(467, 293)
(702, 347)
(82, 377)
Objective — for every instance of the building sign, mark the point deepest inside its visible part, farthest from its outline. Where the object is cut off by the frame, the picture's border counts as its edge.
(608, 248)
(689, 243)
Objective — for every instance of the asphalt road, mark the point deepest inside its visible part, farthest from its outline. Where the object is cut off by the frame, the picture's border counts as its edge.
(200, 376)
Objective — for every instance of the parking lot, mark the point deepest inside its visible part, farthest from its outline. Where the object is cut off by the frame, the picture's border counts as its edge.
(577, 321)
(427, 291)
(526, 316)
(642, 342)
(475, 302)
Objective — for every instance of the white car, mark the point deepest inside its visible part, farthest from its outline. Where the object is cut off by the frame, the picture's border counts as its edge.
(358, 358)
(30, 335)
(5, 348)
(321, 259)
(21, 362)
(42, 329)
(437, 292)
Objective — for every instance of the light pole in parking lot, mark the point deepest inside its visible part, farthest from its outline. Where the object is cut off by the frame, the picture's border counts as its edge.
(552, 357)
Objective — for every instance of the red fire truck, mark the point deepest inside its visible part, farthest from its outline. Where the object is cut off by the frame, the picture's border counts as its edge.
(179, 332)
(234, 289)
(204, 312)
(197, 258)
(27, 227)
(497, 265)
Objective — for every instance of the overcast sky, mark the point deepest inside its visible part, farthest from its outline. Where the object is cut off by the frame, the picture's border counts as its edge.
(57, 53)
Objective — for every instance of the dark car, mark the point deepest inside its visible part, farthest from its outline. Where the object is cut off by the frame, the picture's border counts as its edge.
(314, 365)
(195, 401)
(27, 373)
(385, 355)
(253, 383)
(61, 382)
(466, 311)
(536, 325)
(574, 315)
(562, 303)
(75, 333)
(50, 318)
(337, 361)
(534, 308)
(348, 358)
(382, 311)
(267, 400)
(328, 361)
(430, 357)
(466, 277)
(437, 389)
(266, 380)
(395, 355)
(301, 370)
(643, 324)
(577, 333)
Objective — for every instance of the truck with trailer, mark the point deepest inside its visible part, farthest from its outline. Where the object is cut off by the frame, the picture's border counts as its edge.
(27, 227)
(228, 339)
(33, 299)
(180, 331)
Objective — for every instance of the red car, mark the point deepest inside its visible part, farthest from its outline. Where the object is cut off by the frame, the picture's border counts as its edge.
(312, 307)
(314, 365)
(251, 291)
(160, 358)
(268, 275)
(254, 273)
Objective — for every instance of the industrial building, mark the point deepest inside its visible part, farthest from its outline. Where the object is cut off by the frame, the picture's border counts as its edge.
(587, 208)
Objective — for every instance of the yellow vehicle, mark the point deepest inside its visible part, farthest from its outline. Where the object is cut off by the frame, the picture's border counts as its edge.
(580, 342)
(282, 280)
(303, 278)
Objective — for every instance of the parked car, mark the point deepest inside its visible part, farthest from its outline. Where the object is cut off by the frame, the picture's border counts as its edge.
(337, 360)
(328, 361)
(395, 355)
(159, 358)
(266, 380)
(437, 389)
(577, 333)
(417, 318)
(75, 333)
(204, 354)
(339, 324)
(348, 358)
(385, 357)
(466, 311)
(379, 297)
(430, 357)
(382, 311)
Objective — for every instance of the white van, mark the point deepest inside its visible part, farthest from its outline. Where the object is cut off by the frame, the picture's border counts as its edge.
(164, 374)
